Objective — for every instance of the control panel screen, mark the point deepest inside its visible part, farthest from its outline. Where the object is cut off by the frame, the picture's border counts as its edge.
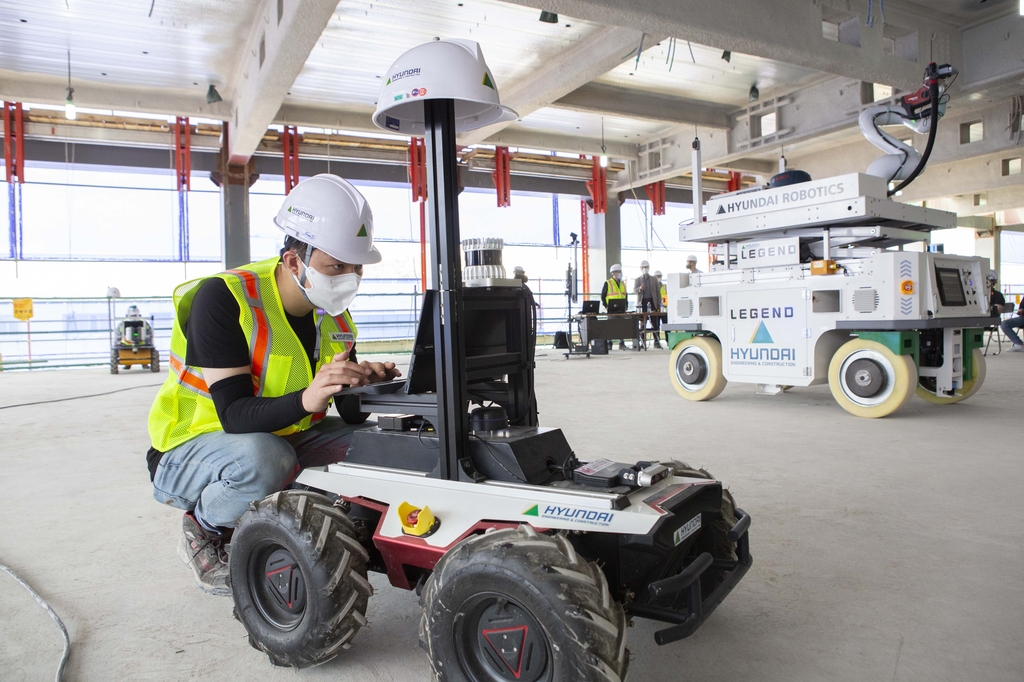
(951, 288)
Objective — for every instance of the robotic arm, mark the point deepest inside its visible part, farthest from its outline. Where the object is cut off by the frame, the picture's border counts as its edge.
(920, 112)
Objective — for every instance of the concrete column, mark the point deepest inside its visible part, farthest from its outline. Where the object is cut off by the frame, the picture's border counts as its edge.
(604, 237)
(612, 233)
(234, 217)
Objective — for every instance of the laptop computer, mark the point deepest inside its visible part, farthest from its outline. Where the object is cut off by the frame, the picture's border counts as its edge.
(616, 306)
(591, 307)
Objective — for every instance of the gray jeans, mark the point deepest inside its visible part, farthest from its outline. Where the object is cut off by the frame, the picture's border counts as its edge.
(219, 474)
(1009, 325)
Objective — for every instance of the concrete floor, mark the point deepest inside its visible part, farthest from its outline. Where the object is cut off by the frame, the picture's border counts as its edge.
(883, 550)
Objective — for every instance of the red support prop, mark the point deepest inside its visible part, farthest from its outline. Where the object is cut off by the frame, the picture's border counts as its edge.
(418, 180)
(734, 181)
(183, 152)
(14, 142)
(502, 176)
(656, 193)
(290, 151)
(585, 246)
(598, 187)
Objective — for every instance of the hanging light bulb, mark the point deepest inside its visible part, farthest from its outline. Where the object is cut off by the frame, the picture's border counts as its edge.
(69, 106)
(604, 161)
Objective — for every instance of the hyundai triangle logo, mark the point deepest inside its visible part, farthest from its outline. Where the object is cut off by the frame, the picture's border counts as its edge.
(721, 209)
(532, 511)
(487, 81)
(762, 335)
(362, 231)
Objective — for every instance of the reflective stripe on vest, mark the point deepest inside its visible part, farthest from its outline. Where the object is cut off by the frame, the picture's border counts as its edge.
(615, 290)
(279, 364)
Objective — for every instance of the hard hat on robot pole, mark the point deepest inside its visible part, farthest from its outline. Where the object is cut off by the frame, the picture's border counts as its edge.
(443, 69)
(615, 268)
(329, 214)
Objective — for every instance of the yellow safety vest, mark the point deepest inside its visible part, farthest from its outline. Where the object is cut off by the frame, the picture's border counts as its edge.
(616, 290)
(183, 408)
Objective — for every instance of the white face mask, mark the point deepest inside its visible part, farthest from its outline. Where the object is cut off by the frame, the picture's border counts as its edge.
(644, 270)
(333, 294)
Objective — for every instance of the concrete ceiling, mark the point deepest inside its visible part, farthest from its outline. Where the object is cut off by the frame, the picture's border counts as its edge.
(184, 44)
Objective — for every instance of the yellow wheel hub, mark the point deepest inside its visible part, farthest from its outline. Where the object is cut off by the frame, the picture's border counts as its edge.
(695, 368)
(869, 380)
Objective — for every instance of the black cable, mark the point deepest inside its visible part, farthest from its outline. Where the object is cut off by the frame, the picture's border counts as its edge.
(76, 397)
(419, 437)
(53, 614)
(933, 93)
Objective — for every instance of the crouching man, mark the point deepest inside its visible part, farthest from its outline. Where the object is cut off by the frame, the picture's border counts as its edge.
(257, 354)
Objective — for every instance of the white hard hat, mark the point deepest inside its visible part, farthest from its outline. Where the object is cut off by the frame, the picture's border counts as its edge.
(644, 264)
(657, 273)
(442, 69)
(330, 214)
(691, 259)
(615, 268)
(518, 269)
(992, 276)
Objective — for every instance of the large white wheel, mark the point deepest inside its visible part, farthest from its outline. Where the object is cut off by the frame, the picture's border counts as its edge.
(695, 368)
(869, 380)
(970, 387)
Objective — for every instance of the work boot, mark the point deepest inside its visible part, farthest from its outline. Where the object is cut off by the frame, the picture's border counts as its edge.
(206, 553)
(657, 344)
(622, 345)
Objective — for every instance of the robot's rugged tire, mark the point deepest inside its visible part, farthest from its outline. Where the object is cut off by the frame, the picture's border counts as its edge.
(970, 387)
(154, 361)
(513, 604)
(298, 578)
(869, 380)
(695, 368)
(723, 549)
(114, 364)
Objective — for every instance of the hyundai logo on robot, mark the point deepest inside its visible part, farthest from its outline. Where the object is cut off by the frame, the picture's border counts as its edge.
(770, 356)
(589, 516)
(790, 197)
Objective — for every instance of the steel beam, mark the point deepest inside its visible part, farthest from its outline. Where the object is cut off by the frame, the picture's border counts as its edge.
(43, 89)
(611, 100)
(278, 45)
(787, 31)
(599, 52)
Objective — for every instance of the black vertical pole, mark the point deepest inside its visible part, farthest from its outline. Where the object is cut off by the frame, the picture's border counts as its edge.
(445, 249)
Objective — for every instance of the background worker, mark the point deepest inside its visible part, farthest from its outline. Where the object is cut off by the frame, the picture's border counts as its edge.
(614, 290)
(1012, 323)
(647, 288)
(664, 300)
(691, 264)
(257, 354)
(996, 300)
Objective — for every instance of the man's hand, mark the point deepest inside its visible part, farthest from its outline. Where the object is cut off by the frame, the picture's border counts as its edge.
(332, 377)
(381, 371)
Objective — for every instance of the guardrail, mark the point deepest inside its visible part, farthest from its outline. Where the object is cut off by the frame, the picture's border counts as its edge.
(77, 332)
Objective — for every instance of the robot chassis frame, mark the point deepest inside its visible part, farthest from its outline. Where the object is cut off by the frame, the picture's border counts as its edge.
(528, 561)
